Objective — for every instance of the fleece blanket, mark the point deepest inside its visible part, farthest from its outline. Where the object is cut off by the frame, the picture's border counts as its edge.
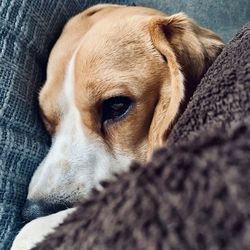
(195, 193)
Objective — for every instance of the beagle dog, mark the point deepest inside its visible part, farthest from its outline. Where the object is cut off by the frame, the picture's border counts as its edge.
(117, 79)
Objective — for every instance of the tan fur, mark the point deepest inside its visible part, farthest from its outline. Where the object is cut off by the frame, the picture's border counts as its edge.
(187, 48)
(170, 96)
(119, 52)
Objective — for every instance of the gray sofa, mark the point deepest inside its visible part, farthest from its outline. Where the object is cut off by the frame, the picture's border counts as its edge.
(28, 30)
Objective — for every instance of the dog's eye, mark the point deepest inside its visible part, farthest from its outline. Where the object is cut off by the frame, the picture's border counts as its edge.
(115, 108)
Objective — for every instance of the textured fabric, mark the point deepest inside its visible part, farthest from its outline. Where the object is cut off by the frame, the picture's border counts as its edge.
(27, 31)
(194, 194)
(225, 17)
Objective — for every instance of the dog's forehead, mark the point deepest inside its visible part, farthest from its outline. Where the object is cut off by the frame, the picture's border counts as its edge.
(122, 39)
(115, 52)
(117, 57)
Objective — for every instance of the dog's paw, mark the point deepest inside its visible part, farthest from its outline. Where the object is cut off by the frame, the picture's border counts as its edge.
(36, 230)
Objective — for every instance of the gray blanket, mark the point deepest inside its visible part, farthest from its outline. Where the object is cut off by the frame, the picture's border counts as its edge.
(194, 194)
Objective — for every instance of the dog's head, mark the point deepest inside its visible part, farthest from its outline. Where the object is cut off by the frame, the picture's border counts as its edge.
(115, 82)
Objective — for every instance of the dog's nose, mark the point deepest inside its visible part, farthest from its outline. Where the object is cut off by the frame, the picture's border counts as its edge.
(35, 209)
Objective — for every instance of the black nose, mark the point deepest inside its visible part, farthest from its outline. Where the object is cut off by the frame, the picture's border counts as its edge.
(35, 209)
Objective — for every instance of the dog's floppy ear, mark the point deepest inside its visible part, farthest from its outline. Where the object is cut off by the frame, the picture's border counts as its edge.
(189, 50)
(171, 94)
(195, 47)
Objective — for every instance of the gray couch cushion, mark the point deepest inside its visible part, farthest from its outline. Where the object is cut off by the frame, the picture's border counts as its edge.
(223, 16)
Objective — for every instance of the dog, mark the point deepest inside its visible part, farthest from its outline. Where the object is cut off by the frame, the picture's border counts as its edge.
(117, 79)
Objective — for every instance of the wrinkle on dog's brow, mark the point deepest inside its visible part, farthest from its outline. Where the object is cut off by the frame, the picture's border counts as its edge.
(117, 70)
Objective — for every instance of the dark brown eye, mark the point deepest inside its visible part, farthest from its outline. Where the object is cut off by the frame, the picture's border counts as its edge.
(115, 108)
